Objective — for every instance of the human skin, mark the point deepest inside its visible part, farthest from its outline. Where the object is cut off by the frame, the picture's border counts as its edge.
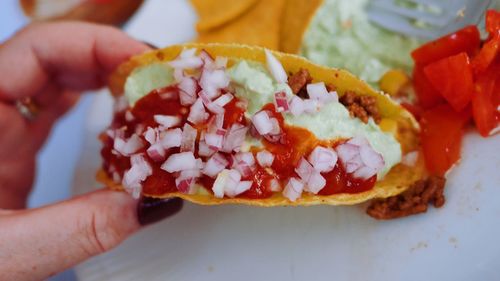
(52, 63)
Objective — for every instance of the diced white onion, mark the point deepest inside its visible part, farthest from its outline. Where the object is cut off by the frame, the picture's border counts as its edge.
(304, 169)
(410, 158)
(171, 138)
(167, 121)
(293, 189)
(197, 113)
(275, 68)
(180, 161)
(265, 158)
(215, 165)
(315, 183)
(128, 147)
(188, 138)
(323, 159)
(262, 123)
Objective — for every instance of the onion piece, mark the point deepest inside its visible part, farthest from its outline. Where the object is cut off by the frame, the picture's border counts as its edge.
(205, 150)
(244, 162)
(180, 161)
(234, 138)
(171, 138)
(304, 169)
(233, 179)
(410, 159)
(323, 159)
(187, 93)
(364, 172)
(293, 189)
(206, 58)
(215, 140)
(120, 104)
(318, 91)
(371, 158)
(315, 183)
(265, 158)
(129, 117)
(281, 102)
(359, 141)
(275, 68)
(223, 100)
(297, 106)
(138, 172)
(262, 123)
(156, 152)
(128, 147)
(212, 81)
(227, 180)
(215, 165)
(188, 138)
(186, 60)
(151, 135)
(184, 185)
(167, 121)
(241, 187)
(197, 113)
(274, 185)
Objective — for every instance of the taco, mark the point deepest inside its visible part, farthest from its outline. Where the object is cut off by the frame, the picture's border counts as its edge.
(219, 123)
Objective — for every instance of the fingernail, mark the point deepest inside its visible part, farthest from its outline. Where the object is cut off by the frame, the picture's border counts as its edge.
(152, 210)
(152, 46)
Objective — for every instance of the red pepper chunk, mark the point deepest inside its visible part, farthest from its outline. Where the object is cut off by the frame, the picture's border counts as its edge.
(484, 111)
(466, 40)
(492, 21)
(427, 95)
(441, 136)
(452, 78)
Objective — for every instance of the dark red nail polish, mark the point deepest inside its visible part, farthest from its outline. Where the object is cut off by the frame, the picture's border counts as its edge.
(152, 210)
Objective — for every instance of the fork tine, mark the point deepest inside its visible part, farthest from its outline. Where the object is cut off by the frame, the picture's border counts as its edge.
(433, 19)
(390, 20)
(432, 3)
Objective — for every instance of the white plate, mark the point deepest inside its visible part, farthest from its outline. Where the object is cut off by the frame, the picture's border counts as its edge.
(456, 242)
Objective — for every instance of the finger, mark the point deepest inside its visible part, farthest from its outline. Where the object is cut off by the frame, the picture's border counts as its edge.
(42, 125)
(41, 242)
(76, 55)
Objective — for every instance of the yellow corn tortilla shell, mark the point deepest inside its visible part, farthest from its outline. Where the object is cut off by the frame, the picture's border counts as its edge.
(259, 26)
(297, 15)
(214, 13)
(396, 119)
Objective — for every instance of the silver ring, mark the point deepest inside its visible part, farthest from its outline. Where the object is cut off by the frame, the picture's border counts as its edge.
(28, 108)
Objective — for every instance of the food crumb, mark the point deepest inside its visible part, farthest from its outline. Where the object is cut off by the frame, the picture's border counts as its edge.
(420, 245)
(453, 241)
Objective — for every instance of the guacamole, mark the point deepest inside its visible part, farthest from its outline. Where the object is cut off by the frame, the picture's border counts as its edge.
(340, 35)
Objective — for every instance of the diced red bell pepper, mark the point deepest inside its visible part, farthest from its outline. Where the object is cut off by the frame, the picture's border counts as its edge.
(466, 40)
(452, 78)
(441, 136)
(487, 54)
(484, 106)
(427, 95)
(492, 21)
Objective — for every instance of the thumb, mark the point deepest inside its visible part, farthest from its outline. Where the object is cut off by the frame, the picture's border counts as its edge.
(38, 243)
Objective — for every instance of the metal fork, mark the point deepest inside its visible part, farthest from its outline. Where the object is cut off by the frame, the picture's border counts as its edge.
(427, 19)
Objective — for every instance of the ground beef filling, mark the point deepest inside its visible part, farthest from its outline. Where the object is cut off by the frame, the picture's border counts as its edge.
(413, 201)
(299, 81)
(362, 107)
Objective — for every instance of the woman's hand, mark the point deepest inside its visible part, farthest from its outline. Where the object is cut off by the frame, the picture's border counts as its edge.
(50, 63)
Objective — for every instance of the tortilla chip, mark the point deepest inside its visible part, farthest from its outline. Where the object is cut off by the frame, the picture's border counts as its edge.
(297, 16)
(214, 13)
(399, 178)
(260, 26)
